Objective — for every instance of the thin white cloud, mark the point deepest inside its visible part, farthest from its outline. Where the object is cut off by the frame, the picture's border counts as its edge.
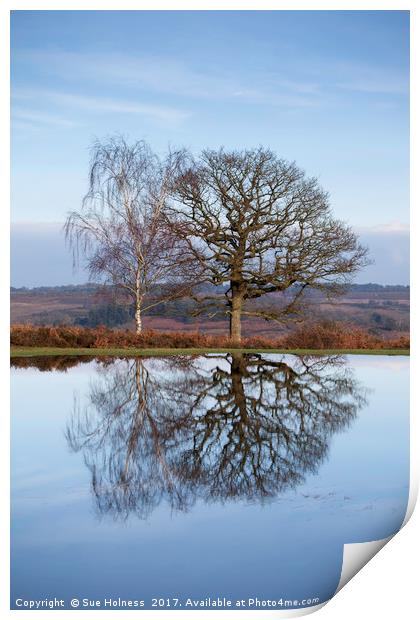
(369, 79)
(97, 104)
(35, 118)
(166, 75)
(25, 126)
(388, 228)
(104, 104)
(31, 226)
(375, 86)
(296, 86)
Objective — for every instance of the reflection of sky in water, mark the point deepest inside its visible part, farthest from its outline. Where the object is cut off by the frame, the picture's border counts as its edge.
(291, 546)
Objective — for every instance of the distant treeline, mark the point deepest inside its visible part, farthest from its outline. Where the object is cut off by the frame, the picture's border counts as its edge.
(93, 288)
(382, 288)
(111, 314)
(67, 288)
(96, 305)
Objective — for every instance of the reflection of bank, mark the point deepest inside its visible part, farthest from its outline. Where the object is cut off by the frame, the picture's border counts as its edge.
(244, 426)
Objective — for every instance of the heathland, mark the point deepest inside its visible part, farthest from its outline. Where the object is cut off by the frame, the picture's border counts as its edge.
(86, 318)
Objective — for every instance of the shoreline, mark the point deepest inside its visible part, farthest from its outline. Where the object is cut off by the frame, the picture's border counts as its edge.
(160, 352)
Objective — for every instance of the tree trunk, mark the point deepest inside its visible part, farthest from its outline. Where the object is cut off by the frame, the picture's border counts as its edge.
(138, 320)
(235, 315)
(237, 373)
(139, 300)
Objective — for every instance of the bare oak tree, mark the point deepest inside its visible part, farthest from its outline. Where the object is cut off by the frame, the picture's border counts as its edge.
(120, 229)
(256, 223)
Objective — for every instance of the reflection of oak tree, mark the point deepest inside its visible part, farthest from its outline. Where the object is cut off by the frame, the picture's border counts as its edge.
(237, 426)
(259, 425)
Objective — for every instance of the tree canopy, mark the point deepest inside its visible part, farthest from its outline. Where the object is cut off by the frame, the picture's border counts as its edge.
(256, 223)
(245, 221)
(120, 228)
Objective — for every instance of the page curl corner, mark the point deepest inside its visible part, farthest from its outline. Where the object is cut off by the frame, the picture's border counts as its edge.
(356, 556)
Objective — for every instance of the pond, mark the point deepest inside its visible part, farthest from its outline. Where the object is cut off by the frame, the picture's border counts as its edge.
(202, 481)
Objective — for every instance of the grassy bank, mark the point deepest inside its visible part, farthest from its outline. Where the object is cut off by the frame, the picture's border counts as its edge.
(134, 352)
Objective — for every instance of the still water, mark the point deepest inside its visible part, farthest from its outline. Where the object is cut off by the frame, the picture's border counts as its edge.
(237, 476)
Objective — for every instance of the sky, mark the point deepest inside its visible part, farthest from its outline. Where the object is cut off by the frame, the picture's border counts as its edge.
(326, 89)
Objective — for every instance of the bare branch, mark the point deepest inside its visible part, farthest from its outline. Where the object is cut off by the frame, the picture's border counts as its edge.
(255, 222)
(121, 229)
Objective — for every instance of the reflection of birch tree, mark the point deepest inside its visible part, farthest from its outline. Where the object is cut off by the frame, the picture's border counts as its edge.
(239, 426)
(121, 434)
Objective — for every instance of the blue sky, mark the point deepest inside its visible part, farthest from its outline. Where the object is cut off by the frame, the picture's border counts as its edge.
(328, 89)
